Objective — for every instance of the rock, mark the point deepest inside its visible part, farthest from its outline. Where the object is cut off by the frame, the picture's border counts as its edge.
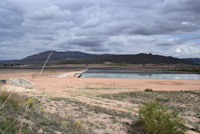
(57, 132)
(40, 131)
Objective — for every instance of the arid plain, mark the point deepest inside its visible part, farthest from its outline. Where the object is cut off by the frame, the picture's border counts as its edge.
(106, 105)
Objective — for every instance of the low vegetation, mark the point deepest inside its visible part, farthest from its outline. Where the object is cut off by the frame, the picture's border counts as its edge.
(96, 109)
(148, 90)
(20, 114)
(184, 102)
(9, 65)
(27, 115)
(155, 118)
(184, 70)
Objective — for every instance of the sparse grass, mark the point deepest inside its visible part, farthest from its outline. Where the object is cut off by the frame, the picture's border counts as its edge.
(162, 99)
(96, 109)
(13, 106)
(171, 99)
(184, 102)
(118, 105)
(97, 102)
(99, 109)
(97, 88)
(14, 126)
(18, 111)
(197, 127)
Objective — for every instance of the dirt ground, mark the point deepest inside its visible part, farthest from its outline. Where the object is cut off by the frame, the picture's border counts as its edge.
(61, 92)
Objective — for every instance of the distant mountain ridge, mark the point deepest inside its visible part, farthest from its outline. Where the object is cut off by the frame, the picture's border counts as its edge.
(196, 60)
(145, 59)
(59, 56)
(76, 57)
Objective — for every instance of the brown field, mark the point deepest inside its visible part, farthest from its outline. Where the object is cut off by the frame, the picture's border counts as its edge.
(107, 105)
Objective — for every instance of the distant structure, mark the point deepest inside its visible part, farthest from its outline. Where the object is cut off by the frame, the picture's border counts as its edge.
(21, 82)
(2, 81)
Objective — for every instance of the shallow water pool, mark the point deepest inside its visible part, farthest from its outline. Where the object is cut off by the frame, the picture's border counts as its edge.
(142, 75)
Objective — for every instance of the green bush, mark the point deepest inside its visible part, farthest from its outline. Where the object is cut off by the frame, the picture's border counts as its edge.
(148, 90)
(155, 118)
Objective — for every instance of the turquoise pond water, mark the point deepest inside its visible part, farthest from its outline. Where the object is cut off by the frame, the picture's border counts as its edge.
(143, 75)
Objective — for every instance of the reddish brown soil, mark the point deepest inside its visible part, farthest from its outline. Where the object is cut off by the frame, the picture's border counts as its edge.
(85, 90)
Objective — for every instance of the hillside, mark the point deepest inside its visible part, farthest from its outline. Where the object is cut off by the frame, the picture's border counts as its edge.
(144, 59)
(71, 57)
(129, 59)
(196, 60)
(57, 56)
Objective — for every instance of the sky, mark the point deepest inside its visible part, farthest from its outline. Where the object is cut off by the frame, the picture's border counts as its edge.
(163, 27)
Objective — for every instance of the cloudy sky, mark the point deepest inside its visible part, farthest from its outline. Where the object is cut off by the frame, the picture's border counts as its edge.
(164, 27)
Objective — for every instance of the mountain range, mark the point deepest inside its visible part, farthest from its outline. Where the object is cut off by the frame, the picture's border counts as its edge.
(196, 60)
(76, 57)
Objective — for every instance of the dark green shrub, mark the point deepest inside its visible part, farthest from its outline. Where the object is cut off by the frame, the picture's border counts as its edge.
(155, 118)
(148, 90)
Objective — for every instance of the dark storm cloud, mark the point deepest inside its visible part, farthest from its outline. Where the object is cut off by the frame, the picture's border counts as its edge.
(91, 44)
(88, 41)
(107, 26)
(97, 49)
(11, 16)
(169, 6)
(163, 28)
